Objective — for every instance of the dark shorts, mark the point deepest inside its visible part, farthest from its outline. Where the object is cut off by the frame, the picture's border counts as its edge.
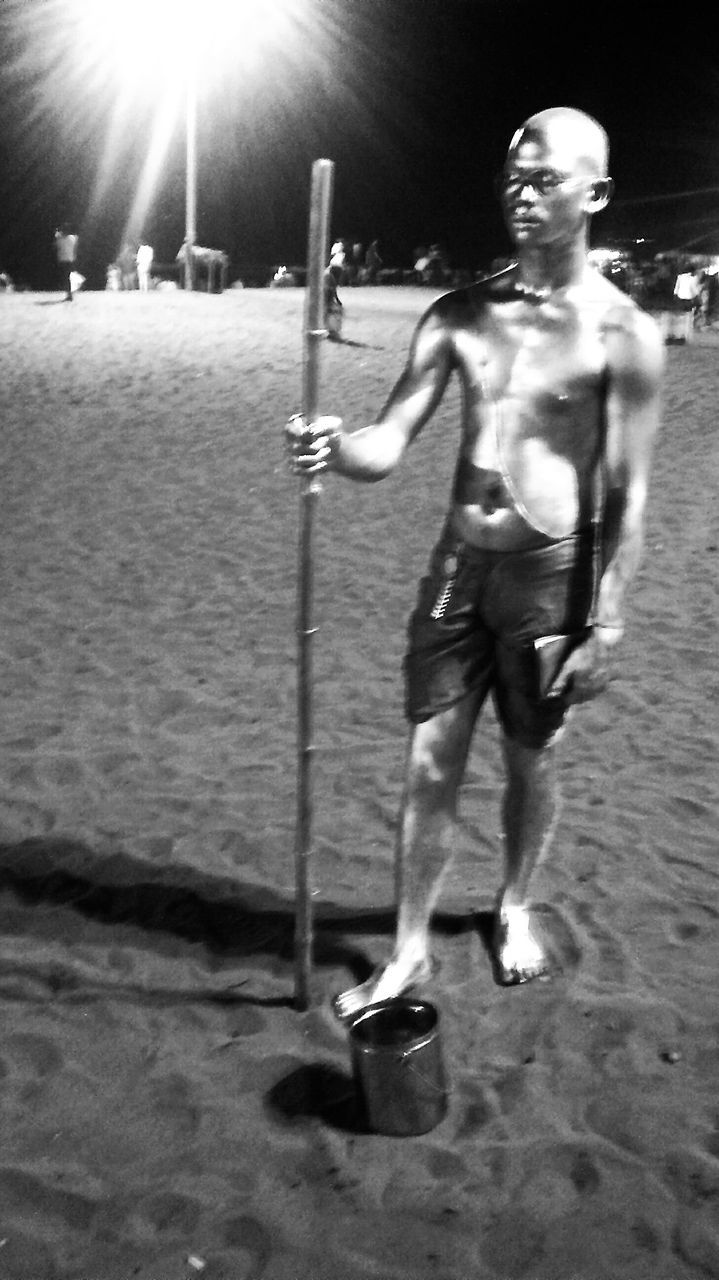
(472, 631)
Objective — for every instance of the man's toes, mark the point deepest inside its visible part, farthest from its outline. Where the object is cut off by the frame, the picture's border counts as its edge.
(514, 975)
(347, 1004)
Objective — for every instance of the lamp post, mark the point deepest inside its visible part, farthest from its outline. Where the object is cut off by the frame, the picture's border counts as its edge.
(190, 173)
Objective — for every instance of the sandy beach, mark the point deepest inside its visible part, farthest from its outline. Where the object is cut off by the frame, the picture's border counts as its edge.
(167, 1112)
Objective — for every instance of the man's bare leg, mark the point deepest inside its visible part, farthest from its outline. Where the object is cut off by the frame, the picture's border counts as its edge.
(436, 759)
(531, 807)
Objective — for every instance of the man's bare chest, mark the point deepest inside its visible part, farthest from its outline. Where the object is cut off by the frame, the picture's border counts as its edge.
(527, 386)
(546, 368)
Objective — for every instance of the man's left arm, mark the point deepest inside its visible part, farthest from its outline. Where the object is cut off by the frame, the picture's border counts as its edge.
(635, 357)
(635, 361)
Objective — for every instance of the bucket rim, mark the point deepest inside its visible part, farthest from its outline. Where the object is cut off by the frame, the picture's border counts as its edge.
(361, 1024)
(394, 1002)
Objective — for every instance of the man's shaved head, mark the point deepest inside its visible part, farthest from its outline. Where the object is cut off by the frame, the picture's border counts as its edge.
(569, 132)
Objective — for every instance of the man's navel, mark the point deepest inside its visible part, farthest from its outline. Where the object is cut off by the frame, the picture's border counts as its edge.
(476, 487)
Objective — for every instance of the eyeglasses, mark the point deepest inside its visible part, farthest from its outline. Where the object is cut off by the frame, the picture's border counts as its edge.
(543, 182)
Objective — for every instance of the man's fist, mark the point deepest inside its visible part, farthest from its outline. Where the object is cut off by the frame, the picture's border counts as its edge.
(312, 446)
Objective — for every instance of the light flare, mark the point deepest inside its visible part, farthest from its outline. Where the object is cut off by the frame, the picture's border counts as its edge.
(118, 74)
(146, 44)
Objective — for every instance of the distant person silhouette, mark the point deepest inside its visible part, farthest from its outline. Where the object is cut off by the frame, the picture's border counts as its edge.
(143, 261)
(66, 248)
(372, 263)
(127, 262)
(333, 305)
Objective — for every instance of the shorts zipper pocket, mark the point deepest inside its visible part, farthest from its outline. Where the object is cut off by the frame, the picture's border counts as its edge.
(451, 566)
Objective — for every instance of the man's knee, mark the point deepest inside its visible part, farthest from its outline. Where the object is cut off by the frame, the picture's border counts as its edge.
(438, 749)
(429, 769)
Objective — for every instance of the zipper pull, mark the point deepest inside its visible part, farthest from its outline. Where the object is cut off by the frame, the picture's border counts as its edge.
(445, 595)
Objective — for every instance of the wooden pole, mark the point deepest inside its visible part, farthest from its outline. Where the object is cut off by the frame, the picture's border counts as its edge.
(314, 334)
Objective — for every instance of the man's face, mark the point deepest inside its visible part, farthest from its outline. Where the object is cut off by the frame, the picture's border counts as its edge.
(544, 194)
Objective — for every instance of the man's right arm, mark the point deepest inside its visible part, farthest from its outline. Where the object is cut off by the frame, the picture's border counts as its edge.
(372, 452)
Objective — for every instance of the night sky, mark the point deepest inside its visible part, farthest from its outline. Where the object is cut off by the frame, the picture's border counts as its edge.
(414, 100)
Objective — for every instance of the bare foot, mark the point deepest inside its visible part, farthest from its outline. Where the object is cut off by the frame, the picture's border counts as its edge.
(518, 954)
(397, 978)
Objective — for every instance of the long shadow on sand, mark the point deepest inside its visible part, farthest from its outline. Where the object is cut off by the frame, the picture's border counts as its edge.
(351, 342)
(228, 919)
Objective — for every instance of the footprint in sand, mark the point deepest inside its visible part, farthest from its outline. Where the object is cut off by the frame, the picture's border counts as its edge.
(693, 1177)
(28, 1198)
(27, 1064)
(246, 1236)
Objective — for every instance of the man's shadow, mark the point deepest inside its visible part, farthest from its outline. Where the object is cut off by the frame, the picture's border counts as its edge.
(154, 905)
(155, 908)
(230, 920)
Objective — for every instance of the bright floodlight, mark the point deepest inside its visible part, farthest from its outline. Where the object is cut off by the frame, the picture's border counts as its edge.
(147, 42)
(107, 65)
(170, 52)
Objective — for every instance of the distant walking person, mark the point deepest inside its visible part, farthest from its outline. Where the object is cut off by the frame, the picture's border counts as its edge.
(127, 262)
(357, 259)
(372, 263)
(333, 305)
(143, 260)
(66, 247)
(685, 289)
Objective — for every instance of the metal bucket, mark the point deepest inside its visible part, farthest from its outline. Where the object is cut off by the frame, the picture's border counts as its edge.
(397, 1066)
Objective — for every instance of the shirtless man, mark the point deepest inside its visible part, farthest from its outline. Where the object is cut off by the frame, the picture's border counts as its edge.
(560, 376)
